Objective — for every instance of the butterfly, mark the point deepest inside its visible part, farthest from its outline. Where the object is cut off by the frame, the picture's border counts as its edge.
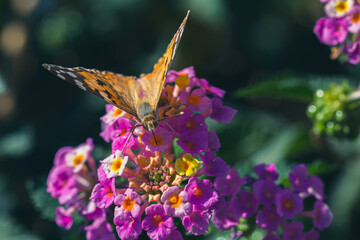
(138, 97)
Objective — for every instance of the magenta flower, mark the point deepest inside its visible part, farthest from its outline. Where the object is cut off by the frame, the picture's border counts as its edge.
(298, 177)
(201, 193)
(91, 211)
(129, 230)
(288, 204)
(103, 194)
(266, 172)
(331, 31)
(352, 50)
(173, 75)
(61, 184)
(268, 219)
(220, 113)
(157, 224)
(176, 202)
(197, 221)
(99, 230)
(64, 217)
(230, 184)
(214, 166)
(265, 191)
(162, 141)
(322, 215)
(196, 101)
(294, 231)
(127, 206)
(244, 204)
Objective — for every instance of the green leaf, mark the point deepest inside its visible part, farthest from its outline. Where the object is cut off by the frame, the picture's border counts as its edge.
(177, 149)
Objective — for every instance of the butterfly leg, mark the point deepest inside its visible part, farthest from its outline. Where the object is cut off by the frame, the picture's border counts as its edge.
(128, 139)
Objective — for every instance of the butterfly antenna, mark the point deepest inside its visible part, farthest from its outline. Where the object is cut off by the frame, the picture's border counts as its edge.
(128, 139)
(154, 137)
(171, 128)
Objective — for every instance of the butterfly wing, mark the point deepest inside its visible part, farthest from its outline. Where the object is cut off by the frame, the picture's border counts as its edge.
(116, 89)
(152, 84)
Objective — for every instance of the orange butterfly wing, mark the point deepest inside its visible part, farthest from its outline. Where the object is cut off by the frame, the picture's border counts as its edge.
(152, 84)
(116, 89)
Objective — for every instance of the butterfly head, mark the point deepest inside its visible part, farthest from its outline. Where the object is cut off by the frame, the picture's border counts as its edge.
(148, 116)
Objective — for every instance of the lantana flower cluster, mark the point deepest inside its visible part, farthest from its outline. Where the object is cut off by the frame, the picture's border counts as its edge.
(340, 28)
(171, 181)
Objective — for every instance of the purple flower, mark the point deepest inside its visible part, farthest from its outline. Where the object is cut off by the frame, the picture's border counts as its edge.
(220, 113)
(157, 224)
(322, 215)
(331, 31)
(271, 236)
(201, 193)
(298, 177)
(129, 230)
(265, 191)
(312, 235)
(172, 75)
(230, 184)
(294, 231)
(197, 221)
(266, 172)
(316, 187)
(288, 204)
(213, 141)
(352, 50)
(244, 204)
(91, 211)
(268, 219)
(176, 202)
(225, 217)
(191, 124)
(127, 206)
(161, 141)
(64, 217)
(99, 230)
(196, 101)
(204, 85)
(61, 184)
(103, 193)
(214, 166)
(193, 143)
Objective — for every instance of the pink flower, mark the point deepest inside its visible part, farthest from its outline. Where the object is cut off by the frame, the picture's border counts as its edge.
(127, 206)
(99, 230)
(176, 202)
(129, 230)
(354, 20)
(103, 193)
(197, 221)
(201, 193)
(196, 101)
(157, 224)
(352, 50)
(64, 217)
(331, 31)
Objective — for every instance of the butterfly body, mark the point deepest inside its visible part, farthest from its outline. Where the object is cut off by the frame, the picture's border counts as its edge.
(137, 96)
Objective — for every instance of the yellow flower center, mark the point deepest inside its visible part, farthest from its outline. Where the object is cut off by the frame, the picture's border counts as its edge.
(355, 18)
(117, 112)
(288, 204)
(159, 141)
(116, 165)
(128, 204)
(191, 125)
(182, 81)
(175, 200)
(341, 7)
(193, 100)
(78, 159)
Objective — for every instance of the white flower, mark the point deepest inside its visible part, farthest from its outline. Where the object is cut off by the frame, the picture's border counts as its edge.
(338, 8)
(114, 165)
(78, 156)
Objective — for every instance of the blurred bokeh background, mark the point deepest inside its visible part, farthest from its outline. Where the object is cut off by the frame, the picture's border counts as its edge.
(233, 44)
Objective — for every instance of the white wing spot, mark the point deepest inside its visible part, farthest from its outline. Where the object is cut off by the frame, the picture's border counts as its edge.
(61, 76)
(105, 96)
(71, 74)
(80, 85)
